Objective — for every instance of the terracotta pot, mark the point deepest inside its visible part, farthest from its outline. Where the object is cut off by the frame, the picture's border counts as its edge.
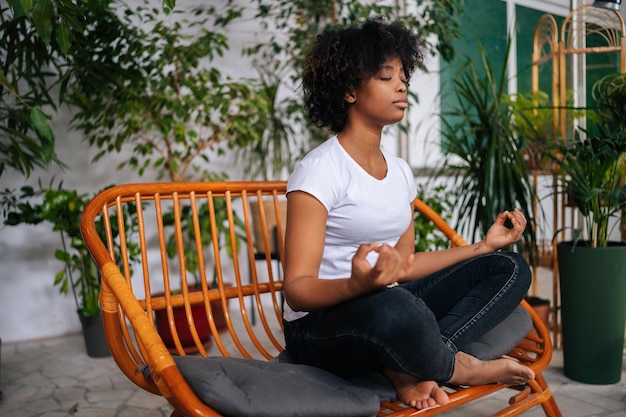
(182, 328)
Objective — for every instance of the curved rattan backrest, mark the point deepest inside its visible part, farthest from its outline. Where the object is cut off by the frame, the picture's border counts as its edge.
(215, 245)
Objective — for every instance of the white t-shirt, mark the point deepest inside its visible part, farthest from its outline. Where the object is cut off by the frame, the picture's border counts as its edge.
(361, 209)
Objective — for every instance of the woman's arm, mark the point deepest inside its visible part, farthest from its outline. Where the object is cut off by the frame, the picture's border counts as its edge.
(304, 246)
(498, 236)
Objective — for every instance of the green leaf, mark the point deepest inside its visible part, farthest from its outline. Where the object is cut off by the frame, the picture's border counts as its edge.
(63, 37)
(40, 123)
(169, 4)
(43, 15)
(21, 7)
(59, 277)
(62, 256)
(4, 80)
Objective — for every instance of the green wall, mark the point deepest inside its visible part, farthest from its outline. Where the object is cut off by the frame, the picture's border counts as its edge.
(484, 23)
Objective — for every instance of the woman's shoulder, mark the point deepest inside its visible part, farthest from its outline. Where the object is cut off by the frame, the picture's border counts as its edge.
(319, 172)
(326, 158)
(324, 150)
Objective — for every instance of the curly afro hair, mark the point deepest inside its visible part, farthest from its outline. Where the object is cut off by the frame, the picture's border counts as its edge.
(341, 59)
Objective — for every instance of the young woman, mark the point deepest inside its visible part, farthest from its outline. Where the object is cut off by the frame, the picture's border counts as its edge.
(358, 298)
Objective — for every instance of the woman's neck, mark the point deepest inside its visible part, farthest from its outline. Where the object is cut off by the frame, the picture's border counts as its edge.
(365, 151)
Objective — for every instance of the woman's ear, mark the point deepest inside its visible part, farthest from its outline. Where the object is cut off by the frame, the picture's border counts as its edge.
(350, 98)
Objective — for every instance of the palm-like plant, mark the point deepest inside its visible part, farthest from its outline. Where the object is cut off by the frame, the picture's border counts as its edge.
(483, 152)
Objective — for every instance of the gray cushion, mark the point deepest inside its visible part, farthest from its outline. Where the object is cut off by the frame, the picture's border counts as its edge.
(502, 338)
(249, 387)
(255, 388)
(374, 381)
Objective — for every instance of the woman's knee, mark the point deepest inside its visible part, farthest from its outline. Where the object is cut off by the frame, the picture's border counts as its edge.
(522, 269)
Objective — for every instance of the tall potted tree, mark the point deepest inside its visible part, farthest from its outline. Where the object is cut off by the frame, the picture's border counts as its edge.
(178, 111)
(592, 267)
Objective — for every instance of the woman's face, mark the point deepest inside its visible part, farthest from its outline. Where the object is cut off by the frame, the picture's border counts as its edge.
(381, 99)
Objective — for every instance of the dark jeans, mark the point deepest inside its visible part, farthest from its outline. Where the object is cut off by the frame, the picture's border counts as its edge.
(417, 327)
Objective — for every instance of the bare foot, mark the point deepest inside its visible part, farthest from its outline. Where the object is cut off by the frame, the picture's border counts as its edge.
(469, 370)
(418, 394)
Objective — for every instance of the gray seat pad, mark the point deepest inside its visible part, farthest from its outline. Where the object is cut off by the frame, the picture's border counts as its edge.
(256, 388)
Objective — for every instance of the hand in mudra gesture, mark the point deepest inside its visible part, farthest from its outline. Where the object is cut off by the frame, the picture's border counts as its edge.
(499, 235)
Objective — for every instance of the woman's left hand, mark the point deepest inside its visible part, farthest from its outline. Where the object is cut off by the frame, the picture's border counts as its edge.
(499, 235)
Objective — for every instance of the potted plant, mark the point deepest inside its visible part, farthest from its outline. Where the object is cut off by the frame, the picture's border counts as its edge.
(592, 267)
(168, 105)
(483, 153)
(178, 111)
(79, 275)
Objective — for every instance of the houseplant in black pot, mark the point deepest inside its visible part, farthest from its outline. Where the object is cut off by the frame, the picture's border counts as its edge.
(592, 267)
(61, 208)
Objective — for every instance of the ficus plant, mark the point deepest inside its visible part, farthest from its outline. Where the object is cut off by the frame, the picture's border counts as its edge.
(168, 105)
(40, 42)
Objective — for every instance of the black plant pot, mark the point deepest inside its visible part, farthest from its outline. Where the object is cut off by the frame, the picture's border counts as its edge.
(593, 310)
(93, 332)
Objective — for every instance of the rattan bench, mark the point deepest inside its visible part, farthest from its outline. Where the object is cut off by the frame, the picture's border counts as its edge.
(153, 241)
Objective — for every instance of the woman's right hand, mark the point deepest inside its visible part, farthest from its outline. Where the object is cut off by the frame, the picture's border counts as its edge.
(389, 267)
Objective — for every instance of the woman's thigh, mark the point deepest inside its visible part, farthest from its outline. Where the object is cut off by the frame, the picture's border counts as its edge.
(473, 296)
